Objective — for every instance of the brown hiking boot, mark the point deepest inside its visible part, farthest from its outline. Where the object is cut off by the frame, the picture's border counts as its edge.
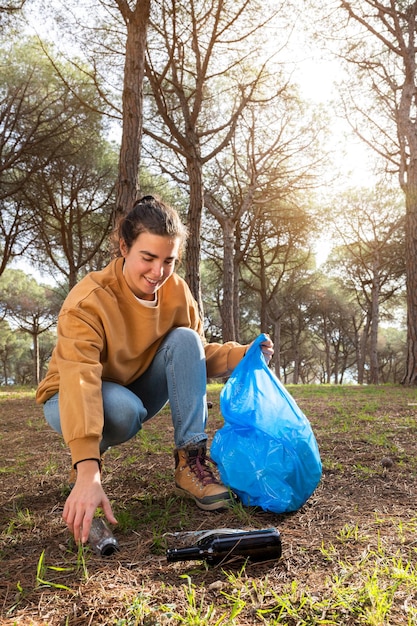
(195, 479)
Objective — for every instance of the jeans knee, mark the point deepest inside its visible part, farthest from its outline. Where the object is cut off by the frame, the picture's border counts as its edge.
(186, 338)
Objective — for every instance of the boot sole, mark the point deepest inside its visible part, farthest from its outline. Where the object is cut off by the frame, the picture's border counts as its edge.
(218, 505)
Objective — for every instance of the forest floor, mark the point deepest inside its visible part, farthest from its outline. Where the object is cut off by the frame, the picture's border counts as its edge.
(348, 555)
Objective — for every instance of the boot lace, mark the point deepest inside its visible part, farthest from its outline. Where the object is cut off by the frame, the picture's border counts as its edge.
(199, 466)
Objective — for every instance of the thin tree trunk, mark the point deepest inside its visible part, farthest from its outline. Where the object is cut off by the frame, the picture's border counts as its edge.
(410, 377)
(236, 273)
(327, 350)
(296, 372)
(192, 255)
(36, 360)
(363, 342)
(227, 309)
(373, 343)
(5, 373)
(236, 300)
(336, 365)
(276, 359)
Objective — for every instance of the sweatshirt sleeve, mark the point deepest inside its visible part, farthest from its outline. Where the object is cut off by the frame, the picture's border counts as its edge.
(79, 346)
(221, 359)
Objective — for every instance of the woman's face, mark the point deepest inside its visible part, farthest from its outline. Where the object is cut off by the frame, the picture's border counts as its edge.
(149, 263)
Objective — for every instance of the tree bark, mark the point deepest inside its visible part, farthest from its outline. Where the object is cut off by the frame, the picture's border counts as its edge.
(228, 327)
(410, 377)
(327, 350)
(136, 20)
(408, 180)
(195, 210)
(373, 337)
(36, 362)
(363, 342)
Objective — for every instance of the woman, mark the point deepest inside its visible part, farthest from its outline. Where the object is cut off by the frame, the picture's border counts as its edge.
(129, 340)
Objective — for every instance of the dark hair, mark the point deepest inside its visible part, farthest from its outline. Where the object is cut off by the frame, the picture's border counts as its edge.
(151, 215)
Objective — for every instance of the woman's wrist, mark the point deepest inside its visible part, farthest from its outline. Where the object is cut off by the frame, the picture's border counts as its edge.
(88, 465)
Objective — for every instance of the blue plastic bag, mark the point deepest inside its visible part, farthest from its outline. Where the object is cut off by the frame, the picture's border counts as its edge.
(266, 452)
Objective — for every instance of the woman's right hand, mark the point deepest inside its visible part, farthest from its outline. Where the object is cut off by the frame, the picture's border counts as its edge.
(86, 496)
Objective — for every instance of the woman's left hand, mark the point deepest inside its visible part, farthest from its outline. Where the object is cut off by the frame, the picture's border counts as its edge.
(267, 348)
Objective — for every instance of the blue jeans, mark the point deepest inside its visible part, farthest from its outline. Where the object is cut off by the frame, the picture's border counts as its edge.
(177, 374)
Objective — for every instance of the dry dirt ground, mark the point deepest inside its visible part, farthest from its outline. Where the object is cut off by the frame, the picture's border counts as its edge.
(359, 507)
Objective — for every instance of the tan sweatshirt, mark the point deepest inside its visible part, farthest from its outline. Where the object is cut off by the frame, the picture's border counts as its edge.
(105, 333)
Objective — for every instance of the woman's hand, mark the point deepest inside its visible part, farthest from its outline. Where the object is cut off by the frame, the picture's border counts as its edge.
(267, 348)
(86, 496)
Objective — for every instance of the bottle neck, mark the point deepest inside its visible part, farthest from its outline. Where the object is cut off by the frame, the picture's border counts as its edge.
(191, 553)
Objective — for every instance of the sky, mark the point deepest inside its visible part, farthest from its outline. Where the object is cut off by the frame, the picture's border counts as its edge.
(317, 79)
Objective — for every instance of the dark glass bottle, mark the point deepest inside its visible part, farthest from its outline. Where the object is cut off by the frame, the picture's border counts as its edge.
(101, 539)
(216, 547)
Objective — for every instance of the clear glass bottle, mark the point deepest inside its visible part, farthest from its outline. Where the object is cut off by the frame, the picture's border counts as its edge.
(101, 539)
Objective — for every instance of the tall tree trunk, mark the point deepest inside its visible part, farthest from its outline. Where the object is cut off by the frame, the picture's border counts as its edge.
(336, 364)
(373, 338)
(72, 277)
(296, 372)
(132, 103)
(410, 377)
(276, 359)
(327, 351)
(36, 360)
(363, 342)
(408, 179)
(192, 254)
(263, 292)
(5, 373)
(236, 300)
(236, 285)
(227, 309)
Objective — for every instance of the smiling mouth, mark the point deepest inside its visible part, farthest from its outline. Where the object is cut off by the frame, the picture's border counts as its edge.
(151, 282)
